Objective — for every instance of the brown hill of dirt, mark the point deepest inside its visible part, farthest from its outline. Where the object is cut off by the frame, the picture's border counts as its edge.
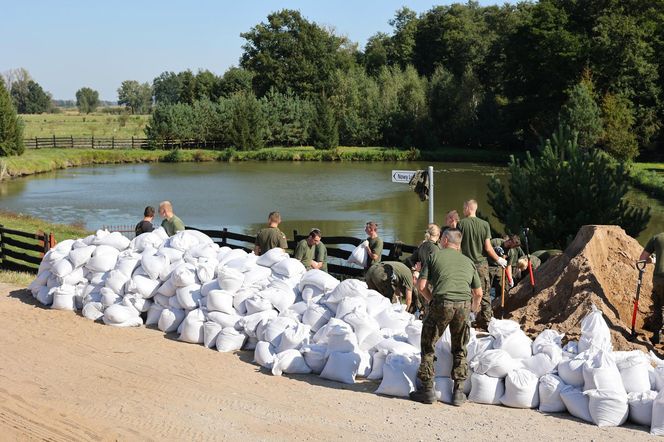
(597, 268)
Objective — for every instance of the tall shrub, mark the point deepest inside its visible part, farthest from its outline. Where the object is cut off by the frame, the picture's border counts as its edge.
(326, 130)
(581, 112)
(619, 139)
(11, 128)
(247, 129)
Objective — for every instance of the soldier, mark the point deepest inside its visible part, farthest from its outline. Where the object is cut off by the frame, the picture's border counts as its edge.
(453, 279)
(305, 250)
(171, 223)
(420, 255)
(511, 247)
(375, 247)
(270, 236)
(476, 245)
(656, 246)
(391, 279)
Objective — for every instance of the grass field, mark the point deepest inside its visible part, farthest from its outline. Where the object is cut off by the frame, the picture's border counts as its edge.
(80, 125)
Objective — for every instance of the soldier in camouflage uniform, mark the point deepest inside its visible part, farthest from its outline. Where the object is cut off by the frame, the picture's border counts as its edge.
(455, 291)
(476, 245)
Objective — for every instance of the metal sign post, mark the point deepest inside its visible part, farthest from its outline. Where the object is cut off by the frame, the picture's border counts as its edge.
(430, 169)
(404, 176)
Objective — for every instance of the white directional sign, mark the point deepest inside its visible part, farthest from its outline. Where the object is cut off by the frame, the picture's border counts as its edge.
(402, 176)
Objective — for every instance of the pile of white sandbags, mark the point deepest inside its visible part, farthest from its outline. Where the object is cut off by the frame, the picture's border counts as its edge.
(299, 322)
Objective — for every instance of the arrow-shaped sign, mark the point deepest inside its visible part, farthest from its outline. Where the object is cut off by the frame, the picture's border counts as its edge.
(402, 176)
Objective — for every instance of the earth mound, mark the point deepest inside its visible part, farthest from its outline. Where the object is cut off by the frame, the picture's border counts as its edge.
(598, 267)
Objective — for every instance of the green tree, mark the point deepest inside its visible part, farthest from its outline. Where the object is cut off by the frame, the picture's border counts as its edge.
(87, 100)
(11, 127)
(30, 98)
(403, 41)
(136, 96)
(618, 139)
(247, 129)
(581, 112)
(288, 119)
(376, 53)
(235, 80)
(166, 88)
(325, 134)
(556, 197)
(172, 122)
(291, 53)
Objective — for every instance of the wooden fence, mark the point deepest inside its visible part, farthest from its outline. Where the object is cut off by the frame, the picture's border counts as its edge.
(118, 143)
(23, 251)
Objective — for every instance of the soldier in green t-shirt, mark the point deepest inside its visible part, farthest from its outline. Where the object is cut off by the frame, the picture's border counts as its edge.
(270, 236)
(391, 279)
(305, 250)
(656, 245)
(511, 247)
(455, 291)
(476, 245)
(375, 247)
(171, 223)
(420, 255)
(320, 255)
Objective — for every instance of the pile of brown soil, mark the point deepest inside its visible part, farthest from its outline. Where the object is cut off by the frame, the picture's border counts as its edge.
(597, 268)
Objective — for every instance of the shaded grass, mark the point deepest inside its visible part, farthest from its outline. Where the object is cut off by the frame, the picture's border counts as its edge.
(81, 125)
(648, 177)
(22, 279)
(29, 224)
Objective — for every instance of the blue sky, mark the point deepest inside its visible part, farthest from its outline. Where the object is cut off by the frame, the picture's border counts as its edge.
(68, 44)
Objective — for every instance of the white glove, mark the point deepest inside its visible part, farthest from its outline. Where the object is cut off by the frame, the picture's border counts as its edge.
(510, 283)
(502, 262)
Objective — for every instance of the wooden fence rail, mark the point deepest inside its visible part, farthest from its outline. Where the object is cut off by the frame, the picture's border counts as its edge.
(23, 251)
(118, 143)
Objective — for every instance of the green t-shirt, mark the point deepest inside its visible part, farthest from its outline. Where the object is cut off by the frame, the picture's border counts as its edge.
(172, 225)
(422, 253)
(320, 255)
(656, 246)
(376, 246)
(451, 275)
(305, 253)
(269, 238)
(475, 232)
(402, 277)
(513, 254)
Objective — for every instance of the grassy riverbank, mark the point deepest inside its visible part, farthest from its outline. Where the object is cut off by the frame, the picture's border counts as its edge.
(649, 177)
(97, 124)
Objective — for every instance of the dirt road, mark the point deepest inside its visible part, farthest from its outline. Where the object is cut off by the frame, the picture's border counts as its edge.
(63, 377)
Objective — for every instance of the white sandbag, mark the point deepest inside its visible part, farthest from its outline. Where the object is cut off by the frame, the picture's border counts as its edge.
(315, 355)
(119, 314)
(138, 302)
(207, 287)
(104, 258)
(395, 346)
(93, 311)
(595, 332)
(607, 408)
(39, 281)
(363, 324)
(167, 288)
(289, 267)
(391, 319)
(477, 346)
(399, 375)
(220, 301)
(299, 308)
(521, 389)
(341, 367)
(657, 425)
(230, 255)
(640, 407)
(571, 348)
(360, 255)
(364, 369)
(350, 304)
(187, 239)
(244, 264)
(109, 297)
(62, 268)
(142, 285)
(257, 277)
(224, 319)
(502, 327)
(549, 389)
(289, 361)
(294, 337)
(281, 298)
(495, 363)
(145, 240)
(45, 295)
(174, 303)
(576, 402)
(229, 279)
(153, 264)
(414, 332)
(377, 363)
(173, 255)
(316, 316)
(321, 336)
(320, 279)
(309, 292)
(348, 288)
(154, 312)
(230, 339)
(271, 257)
(516, 343)
(571, 370)
(184, 275)
(189, 297)
(170, 319)
(161, 300)
(370, 342)
(127, 262)
(443, 388)
(208, 251)
(135, 321)
(341, 340)
(65, 246)
(264, 354)
(601, 373)
(80, 256)
(634, 372)
(63, 298)
(73, 278)
(114, 239)
(257, 304)
(539, 364)
(192, 327)
(250, 322)
(116, 281)
(547, 336)
(486, 389)
(272, 329)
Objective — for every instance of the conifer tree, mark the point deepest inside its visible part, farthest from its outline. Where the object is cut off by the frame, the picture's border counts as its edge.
(11, 127)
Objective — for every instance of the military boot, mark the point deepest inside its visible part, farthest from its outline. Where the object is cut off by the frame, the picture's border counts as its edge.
(423, 395)
(458, 396)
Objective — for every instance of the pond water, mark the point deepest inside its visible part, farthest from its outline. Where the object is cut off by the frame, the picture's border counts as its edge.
(338, 198)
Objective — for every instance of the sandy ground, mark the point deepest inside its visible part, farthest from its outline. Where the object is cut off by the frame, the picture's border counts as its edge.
(63, 377)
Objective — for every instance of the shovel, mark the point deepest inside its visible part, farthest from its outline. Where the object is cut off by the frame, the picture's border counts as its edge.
(641, 267)
(502, 295)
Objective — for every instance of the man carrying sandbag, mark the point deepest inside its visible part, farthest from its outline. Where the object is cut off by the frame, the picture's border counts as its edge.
(375, 244)
(455, 283)
(476, 245)
(171, 223)
(656, 246)
(391, 279)
(270, 236)
(305, 251)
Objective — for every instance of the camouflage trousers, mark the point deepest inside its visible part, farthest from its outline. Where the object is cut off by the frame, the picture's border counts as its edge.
(658, 302)
(486, 312)
(439, 315)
